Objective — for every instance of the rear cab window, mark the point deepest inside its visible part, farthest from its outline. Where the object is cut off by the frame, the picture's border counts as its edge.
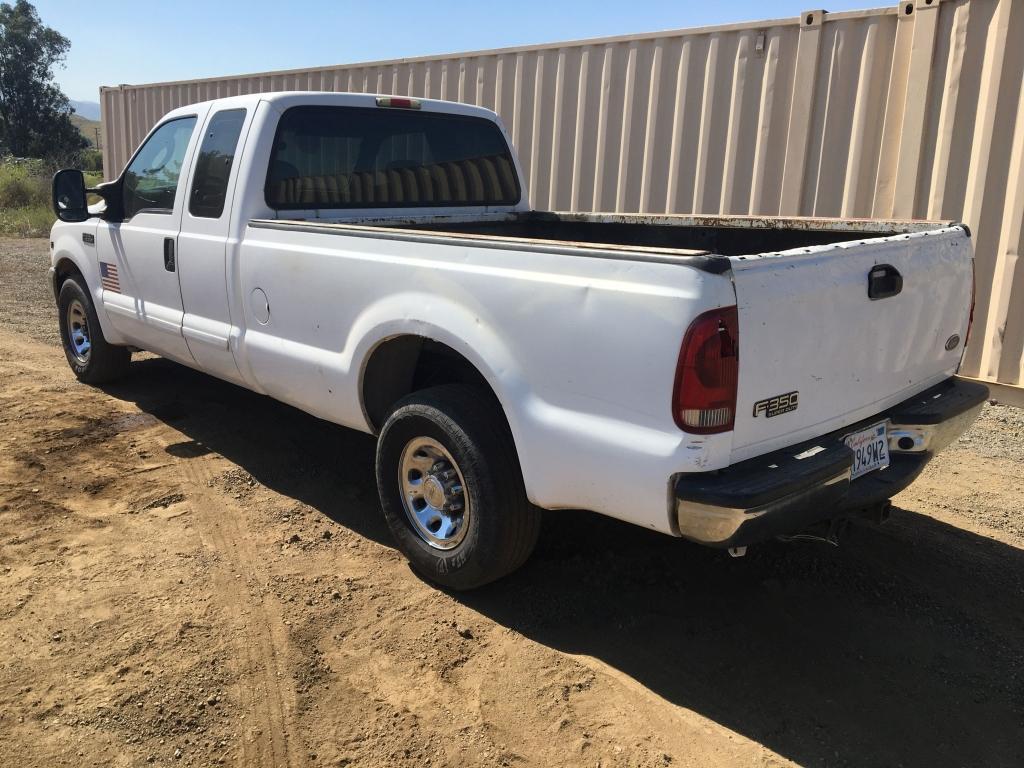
(354, 157)
(213, 165)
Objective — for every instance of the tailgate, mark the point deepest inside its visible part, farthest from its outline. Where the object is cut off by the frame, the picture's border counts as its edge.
(817, 353)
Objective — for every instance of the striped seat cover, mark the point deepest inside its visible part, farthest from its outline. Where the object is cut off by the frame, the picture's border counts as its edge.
(479, 180)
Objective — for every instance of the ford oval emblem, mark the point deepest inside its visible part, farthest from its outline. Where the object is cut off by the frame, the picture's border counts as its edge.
(952, 342)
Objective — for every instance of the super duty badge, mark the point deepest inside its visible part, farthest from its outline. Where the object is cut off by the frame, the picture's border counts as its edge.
(773, 406)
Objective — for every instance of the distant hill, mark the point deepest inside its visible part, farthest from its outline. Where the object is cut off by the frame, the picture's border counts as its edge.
(90, 110)
(86, 127)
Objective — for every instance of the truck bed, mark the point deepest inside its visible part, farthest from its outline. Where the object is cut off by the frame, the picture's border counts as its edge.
(673, 235)
(812, 330)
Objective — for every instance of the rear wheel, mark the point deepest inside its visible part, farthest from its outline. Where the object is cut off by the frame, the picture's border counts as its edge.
(93, 360)
(451, 487)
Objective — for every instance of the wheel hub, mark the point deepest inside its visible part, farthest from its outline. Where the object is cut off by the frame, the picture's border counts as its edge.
(433, 493)
(78, 332)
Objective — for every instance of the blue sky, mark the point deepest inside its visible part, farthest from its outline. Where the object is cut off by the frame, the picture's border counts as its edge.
(113, 41)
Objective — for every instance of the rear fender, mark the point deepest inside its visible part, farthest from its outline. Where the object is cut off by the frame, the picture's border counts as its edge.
(449, 324)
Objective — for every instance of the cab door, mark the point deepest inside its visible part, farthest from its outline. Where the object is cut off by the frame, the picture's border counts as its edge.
(138, 255)
(204, 241)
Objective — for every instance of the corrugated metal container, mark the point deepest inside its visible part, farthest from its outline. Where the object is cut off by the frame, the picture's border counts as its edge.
(915, 110)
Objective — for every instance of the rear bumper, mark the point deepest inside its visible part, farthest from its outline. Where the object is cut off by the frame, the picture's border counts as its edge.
(785, 491)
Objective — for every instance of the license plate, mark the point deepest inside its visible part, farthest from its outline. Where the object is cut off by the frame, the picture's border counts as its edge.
(870, 449)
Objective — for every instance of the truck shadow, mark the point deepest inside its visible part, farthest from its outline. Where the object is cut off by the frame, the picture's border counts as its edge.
(903, 647)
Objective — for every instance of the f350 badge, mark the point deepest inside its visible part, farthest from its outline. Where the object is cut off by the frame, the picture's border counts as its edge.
(773, 406)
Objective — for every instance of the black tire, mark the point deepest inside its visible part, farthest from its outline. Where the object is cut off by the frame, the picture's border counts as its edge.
(104, 362)
(503, 526)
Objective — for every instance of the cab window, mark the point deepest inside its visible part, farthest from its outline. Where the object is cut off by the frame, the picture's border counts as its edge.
(213, 166)
(151, 179)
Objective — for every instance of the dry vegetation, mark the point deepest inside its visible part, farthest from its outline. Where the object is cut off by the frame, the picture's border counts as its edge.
(25, 205)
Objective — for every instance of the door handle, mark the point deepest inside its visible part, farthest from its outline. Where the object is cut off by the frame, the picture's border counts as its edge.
(169, 254)
(884, 280)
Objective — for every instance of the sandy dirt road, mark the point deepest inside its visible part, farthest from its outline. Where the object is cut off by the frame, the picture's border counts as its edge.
(191, 574)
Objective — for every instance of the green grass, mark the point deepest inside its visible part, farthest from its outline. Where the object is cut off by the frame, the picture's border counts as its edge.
(25, 207)
(30, 221)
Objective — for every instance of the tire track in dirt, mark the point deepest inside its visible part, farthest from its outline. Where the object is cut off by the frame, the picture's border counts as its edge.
(264, 641)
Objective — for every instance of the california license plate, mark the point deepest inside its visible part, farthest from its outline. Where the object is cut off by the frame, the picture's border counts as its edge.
(870, 449)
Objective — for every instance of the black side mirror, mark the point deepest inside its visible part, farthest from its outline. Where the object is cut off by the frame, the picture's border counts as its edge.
(69, 202)
(110, 191)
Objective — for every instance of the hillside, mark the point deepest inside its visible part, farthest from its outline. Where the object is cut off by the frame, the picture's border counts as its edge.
(86, 127)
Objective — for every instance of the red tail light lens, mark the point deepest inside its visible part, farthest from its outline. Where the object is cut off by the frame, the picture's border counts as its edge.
(398, 102)
(704, 399)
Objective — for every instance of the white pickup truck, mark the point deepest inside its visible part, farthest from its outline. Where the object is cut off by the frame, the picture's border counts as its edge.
(373, 260)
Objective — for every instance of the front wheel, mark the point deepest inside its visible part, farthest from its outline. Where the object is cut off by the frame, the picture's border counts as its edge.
(93, 360)
(451, 487)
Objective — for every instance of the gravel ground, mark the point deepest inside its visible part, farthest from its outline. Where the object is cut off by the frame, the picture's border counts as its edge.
(998, 434)
(192, 574)
(26, 304)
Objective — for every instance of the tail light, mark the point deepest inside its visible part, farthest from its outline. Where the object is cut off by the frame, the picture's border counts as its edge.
(704, 399)
(398, 102)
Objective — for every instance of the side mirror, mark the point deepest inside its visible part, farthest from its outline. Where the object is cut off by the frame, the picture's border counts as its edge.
(69, 202)
(111, 193)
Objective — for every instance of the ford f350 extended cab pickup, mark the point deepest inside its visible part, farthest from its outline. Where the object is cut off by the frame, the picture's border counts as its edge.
(373, 260)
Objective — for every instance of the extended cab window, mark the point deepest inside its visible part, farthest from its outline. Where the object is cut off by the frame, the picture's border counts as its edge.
(151, 180)
(213, 166)
(351, 157)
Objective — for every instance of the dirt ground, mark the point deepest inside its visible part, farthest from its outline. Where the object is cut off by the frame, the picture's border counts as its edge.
(191, 574)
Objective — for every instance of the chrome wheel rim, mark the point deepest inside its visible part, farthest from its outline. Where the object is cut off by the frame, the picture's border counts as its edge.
(78, 332)
(434, 493)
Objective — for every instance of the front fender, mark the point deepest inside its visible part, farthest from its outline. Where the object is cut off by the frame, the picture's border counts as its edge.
(69, 248)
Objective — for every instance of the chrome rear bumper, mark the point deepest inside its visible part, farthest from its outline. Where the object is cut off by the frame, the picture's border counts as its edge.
(786, 491)
(931, 438)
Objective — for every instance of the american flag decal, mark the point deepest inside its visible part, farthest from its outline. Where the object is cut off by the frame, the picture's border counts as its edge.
(108, 276)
